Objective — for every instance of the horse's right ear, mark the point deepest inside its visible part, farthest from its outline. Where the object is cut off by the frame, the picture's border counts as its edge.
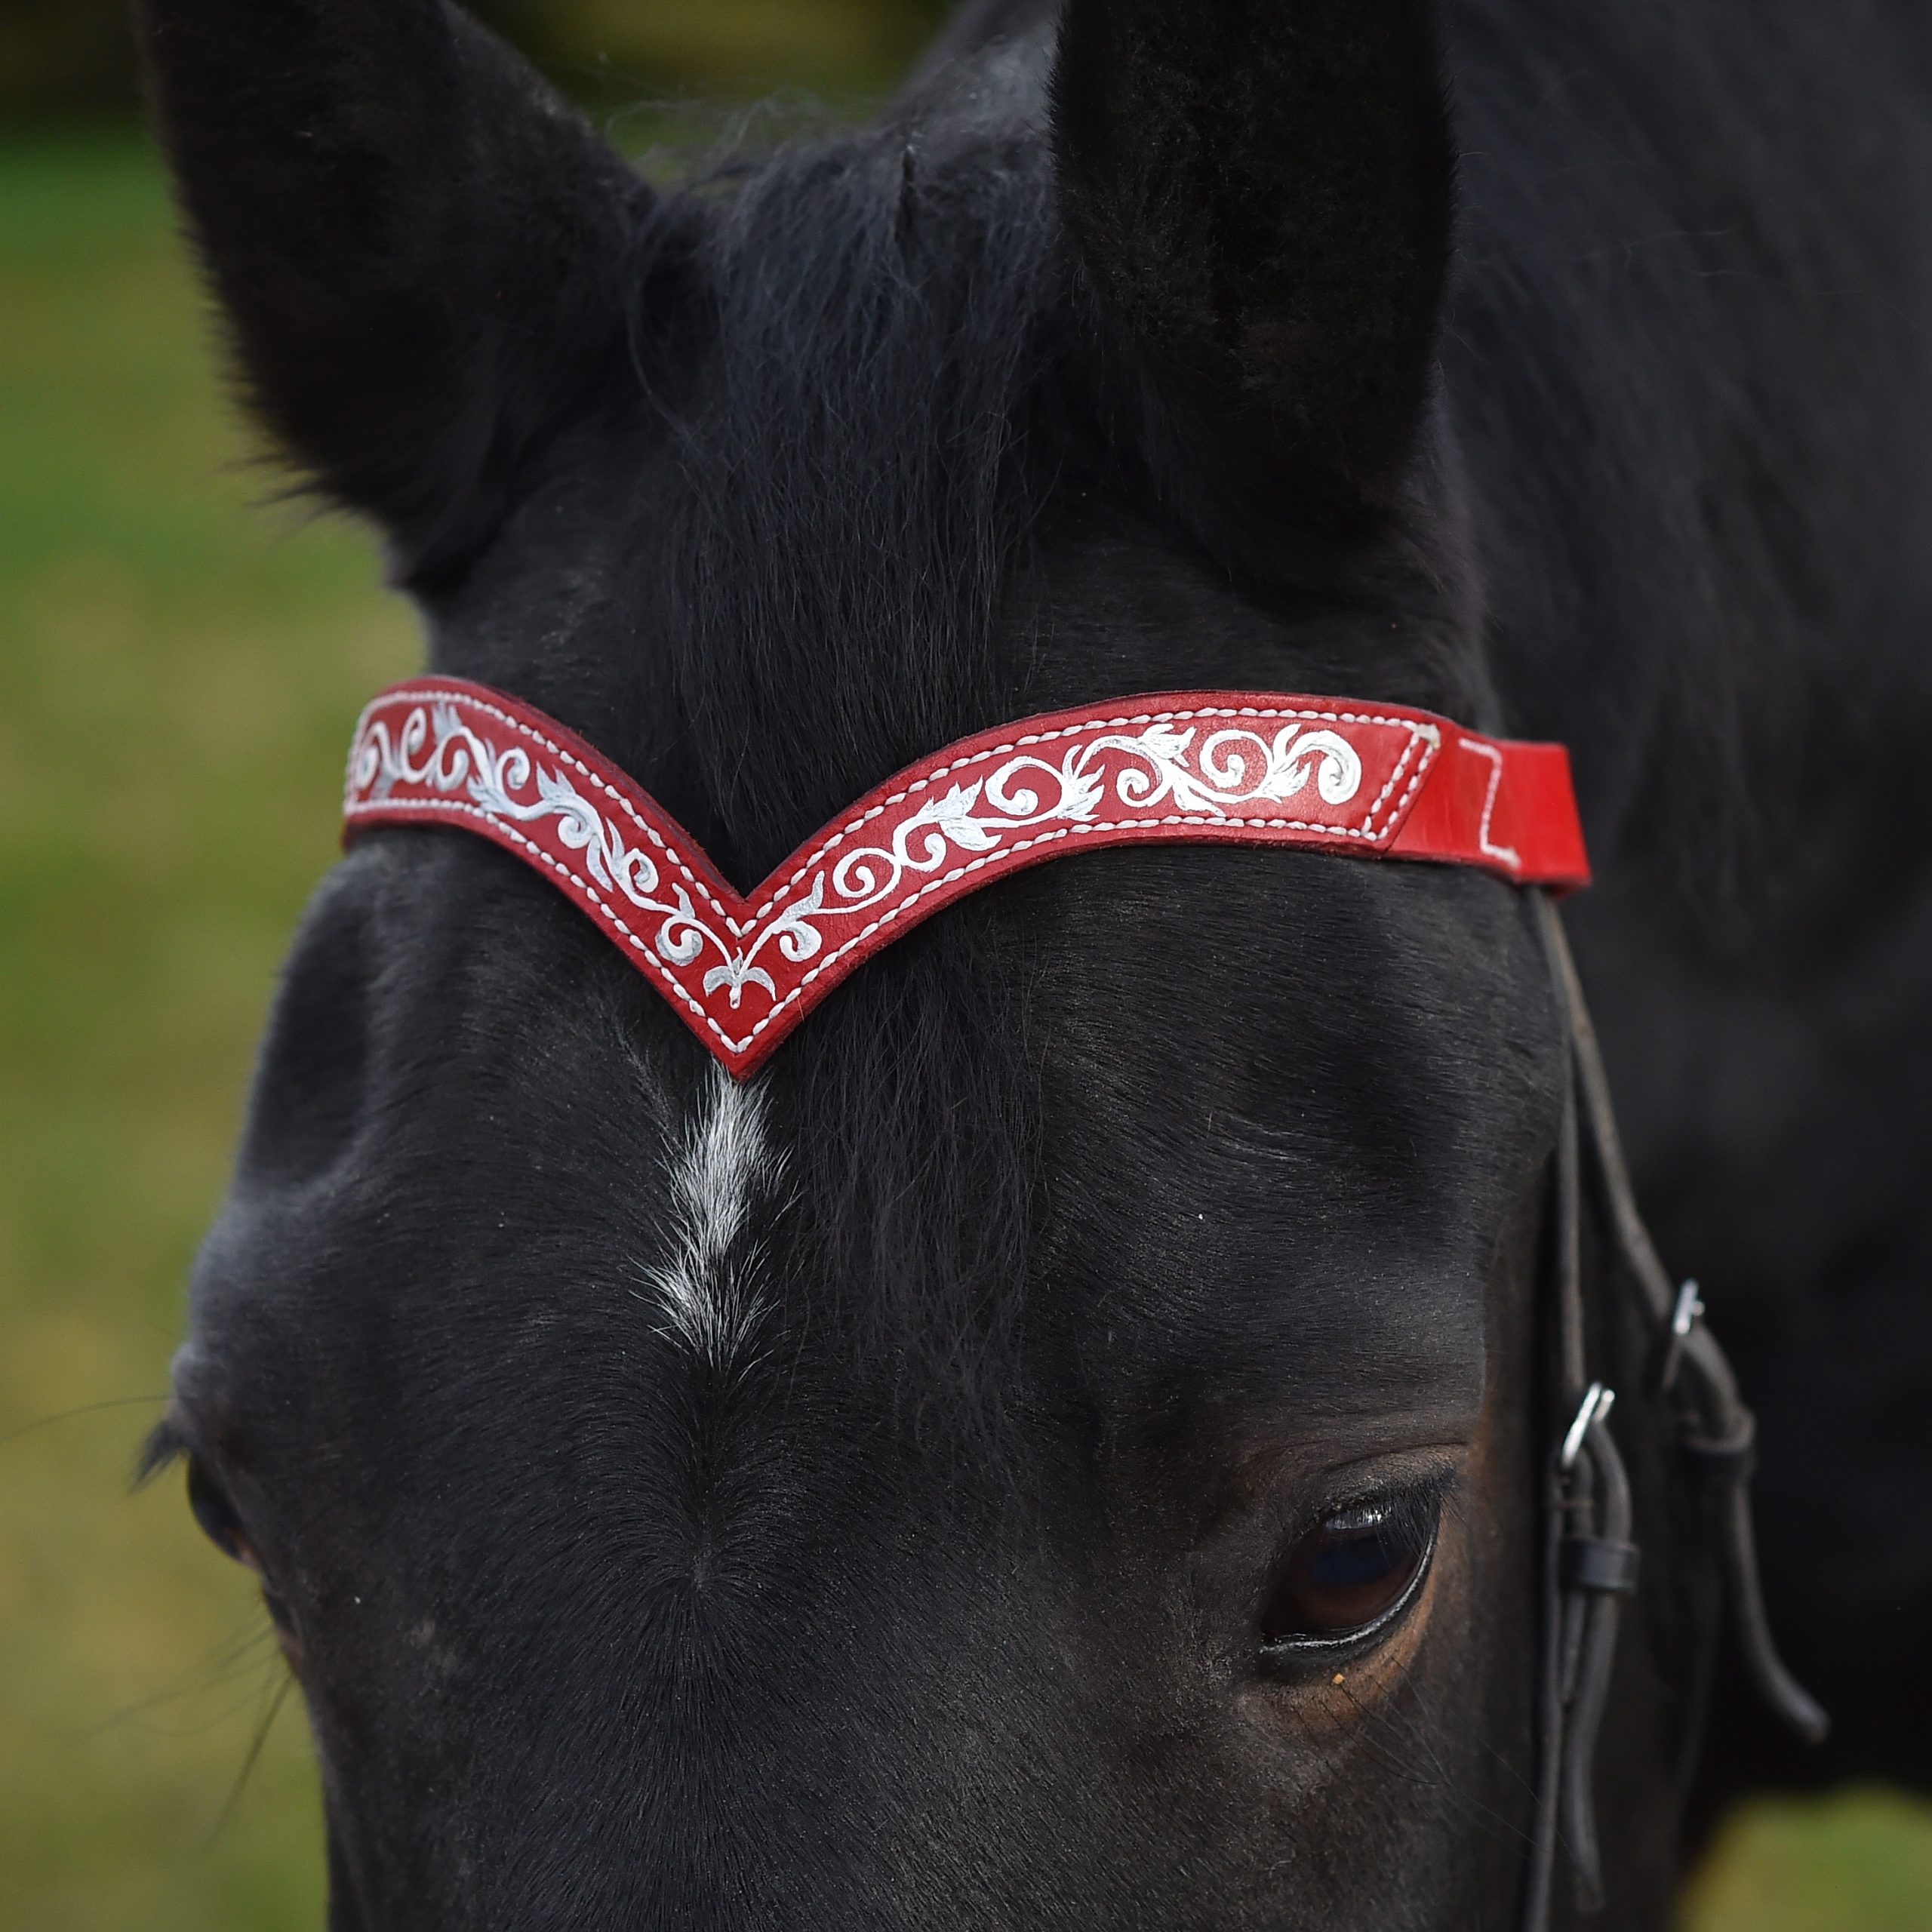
(423, 253)
(1261, 193)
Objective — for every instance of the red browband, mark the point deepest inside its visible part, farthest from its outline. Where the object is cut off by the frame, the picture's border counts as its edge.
(1201, 768)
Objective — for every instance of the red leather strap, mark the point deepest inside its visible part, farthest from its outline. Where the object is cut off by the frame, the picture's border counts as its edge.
(1202, 767)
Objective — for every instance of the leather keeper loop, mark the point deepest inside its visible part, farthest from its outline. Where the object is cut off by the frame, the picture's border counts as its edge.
(1729, 1459)
(1599, 1564)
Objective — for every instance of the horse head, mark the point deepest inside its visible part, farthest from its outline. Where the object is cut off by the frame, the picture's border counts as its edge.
(1061, 1446)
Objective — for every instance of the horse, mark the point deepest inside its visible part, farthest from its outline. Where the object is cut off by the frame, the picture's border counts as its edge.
(1063, 1444)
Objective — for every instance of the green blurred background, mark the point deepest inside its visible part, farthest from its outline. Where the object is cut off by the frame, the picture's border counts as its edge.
(179, 665)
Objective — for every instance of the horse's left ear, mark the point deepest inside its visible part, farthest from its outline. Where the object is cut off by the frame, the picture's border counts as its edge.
(424, 255)
(1261, 193)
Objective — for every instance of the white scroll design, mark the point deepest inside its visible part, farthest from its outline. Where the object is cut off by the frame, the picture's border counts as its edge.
(1157, 774)
(1029, 792)
(435, 749)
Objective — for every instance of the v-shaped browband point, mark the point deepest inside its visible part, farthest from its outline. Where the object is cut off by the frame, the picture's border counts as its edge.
(1373, 781)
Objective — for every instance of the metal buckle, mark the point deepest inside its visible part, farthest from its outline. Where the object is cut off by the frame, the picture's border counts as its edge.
(1690, 1311)
(1597, 1406)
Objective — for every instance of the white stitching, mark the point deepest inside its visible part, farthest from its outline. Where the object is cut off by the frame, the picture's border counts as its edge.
(418, 695)
(906, 905)
(1419, 734)
(1508, 854)
(886, 919)
(1417, 731)
(375, 809)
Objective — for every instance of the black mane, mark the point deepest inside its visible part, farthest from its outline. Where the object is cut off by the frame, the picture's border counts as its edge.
(858, 475)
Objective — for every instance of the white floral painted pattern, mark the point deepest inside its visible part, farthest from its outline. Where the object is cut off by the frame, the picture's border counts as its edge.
(736, 968)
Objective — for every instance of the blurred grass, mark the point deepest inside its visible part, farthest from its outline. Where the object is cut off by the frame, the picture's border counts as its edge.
(179, 671)
(177, 674)
(58, 55)
(1859, 1863)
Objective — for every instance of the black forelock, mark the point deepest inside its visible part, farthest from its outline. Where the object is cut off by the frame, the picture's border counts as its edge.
(858, 465)
(887, 394)
(856, 472)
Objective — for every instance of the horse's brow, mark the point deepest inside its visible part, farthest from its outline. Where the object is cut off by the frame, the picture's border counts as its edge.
(1415, 1363)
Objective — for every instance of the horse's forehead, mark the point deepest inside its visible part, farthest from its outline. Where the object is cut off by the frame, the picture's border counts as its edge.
(1272, 1182)
(1298, 1109)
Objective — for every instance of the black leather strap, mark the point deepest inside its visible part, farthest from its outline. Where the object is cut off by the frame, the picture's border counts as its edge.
(1588, 1563)
(1731, 1458)
(1603, 1565)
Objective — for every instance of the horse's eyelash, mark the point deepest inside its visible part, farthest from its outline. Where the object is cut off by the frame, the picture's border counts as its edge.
(165, 1446)
(1415, 1507)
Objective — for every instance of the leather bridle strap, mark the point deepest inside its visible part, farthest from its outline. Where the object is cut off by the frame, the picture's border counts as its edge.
(1589, 1564)
(1338, 775)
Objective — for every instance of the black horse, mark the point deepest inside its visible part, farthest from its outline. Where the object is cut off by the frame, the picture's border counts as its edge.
(1062, 1446)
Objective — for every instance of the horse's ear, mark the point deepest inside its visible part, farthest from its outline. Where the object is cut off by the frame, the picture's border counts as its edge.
(1261, 193)
(422, 252)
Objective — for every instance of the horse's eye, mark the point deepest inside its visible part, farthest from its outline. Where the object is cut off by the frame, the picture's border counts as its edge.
(1351, 1577)
(220, 1522)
